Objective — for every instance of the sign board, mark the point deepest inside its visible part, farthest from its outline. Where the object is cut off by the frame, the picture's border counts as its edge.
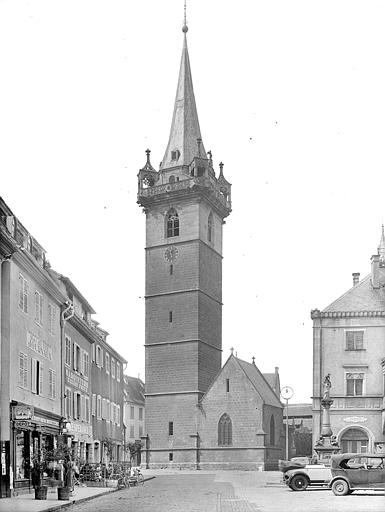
(22, 412)
(355, 419)
(22, 423)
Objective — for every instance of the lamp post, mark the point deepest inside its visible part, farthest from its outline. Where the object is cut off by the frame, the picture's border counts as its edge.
(287, 393)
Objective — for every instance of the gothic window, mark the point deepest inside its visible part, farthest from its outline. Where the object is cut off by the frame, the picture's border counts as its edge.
(272, 431)
(172, 223)
(225, 431)
(210, 227)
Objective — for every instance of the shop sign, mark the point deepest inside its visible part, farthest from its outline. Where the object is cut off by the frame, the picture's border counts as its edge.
(76, 381)
(46, 421)
(39, 346)
(22, 424)
(22, 412)
(355, 419)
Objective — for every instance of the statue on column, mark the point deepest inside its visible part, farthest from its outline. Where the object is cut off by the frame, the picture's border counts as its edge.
(327, 385)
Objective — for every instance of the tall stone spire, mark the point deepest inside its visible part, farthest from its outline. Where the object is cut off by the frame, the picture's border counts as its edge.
(381, 248)
(185, 141)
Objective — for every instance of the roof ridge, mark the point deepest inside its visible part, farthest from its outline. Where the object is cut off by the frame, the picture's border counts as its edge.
(355, 287)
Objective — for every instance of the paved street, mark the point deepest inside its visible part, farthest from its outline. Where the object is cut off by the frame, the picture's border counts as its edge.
(227, 491)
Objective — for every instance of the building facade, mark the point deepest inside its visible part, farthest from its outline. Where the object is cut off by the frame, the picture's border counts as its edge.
(134, 413)
(31, 304)
(349, 344)
(107, 401)
(185, 205)
(58, 374)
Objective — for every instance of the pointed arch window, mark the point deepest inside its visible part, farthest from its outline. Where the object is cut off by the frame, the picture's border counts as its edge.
(225, 431)
(172, 223)
(210, 228)
(272, 431)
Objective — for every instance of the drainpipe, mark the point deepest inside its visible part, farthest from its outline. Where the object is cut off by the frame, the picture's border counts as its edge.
(66, 314)
(320, 372)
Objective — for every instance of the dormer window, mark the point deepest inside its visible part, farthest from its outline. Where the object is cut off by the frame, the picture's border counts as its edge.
(175, 155)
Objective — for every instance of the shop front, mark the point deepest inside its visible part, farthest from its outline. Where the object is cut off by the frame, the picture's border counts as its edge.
(34, 433)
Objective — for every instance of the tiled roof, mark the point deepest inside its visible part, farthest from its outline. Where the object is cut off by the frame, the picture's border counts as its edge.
(259, 382)
(362, 297)
(135, 389)
(299, 410)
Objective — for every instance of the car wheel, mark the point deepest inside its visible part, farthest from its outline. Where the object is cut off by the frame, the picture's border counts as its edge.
(340, 488)
(299, 483)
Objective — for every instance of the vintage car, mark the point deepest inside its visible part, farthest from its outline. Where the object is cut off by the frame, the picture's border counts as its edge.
(300, 478)
(357, 471)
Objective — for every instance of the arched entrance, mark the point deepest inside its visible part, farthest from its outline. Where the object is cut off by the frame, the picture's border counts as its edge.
(354, 440)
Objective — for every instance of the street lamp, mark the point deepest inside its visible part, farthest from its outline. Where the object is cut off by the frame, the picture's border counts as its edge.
(287, 393)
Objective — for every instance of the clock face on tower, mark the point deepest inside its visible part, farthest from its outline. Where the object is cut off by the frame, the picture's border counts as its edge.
(171, 254)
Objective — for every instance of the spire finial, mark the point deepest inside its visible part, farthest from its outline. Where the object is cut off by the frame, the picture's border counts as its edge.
(185, 27)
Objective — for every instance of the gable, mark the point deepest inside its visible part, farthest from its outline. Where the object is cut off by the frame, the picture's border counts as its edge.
(362, 297)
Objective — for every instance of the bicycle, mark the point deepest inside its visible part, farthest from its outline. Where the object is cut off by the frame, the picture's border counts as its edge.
(136, 477)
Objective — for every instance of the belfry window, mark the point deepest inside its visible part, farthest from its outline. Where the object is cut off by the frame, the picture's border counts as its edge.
(210, 228)
(172, 223)
(225, 437)
(175, 155)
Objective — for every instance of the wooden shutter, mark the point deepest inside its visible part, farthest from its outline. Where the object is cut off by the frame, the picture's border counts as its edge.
(40, 366)
(33, 375)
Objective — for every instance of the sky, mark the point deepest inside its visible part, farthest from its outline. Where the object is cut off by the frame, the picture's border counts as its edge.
(290, 96)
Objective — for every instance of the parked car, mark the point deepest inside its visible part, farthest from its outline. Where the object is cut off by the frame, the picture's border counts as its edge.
(357, 471)
(300, 478)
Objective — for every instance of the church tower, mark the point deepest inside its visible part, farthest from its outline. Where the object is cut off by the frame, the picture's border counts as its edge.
(185, 205)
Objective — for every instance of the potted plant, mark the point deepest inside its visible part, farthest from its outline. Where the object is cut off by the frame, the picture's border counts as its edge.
(63, 454)
(39, 464)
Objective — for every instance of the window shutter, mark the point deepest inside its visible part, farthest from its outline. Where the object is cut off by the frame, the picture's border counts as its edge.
(33, 375)
(25, 295)
(21, 292)
(21, 369)
(25, 371)
(101, 357)
(81, 352)
(93, 352)
(82, 406)
(40, 378)
(93, 405)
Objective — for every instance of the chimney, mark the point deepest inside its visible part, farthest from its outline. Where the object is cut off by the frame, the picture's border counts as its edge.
(375, 271)
(356, 278)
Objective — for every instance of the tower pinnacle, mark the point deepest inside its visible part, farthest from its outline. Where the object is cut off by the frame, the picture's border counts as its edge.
(381, 248)
(185, 27)
(182, 145)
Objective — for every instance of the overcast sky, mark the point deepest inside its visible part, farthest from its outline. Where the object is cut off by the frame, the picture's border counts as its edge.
(290, 96)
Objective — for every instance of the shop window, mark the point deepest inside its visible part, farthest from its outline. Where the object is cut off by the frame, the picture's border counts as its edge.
(225, 431)
(354, 440)
(23, 294)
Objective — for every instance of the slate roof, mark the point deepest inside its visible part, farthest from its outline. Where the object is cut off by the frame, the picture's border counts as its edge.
(362, 297)
(185, 128)
(259, 382)
(134, 388)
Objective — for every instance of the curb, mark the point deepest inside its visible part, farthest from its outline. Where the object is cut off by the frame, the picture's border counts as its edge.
(81, 500)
